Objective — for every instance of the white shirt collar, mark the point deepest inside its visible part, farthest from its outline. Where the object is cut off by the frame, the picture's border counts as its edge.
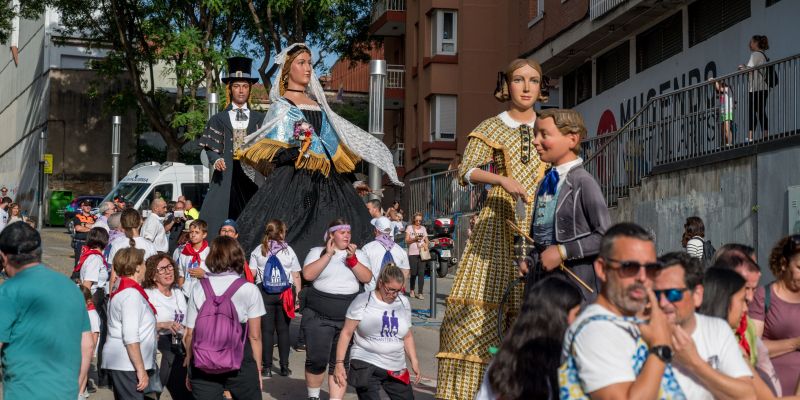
(234, 107)
(564, 168)
(511, 123)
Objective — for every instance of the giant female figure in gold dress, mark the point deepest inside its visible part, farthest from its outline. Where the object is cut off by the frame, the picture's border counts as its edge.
(469, 328)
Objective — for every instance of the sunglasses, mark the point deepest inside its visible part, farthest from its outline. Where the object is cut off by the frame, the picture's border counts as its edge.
(673, 295)
(526, 143)
(629, 269)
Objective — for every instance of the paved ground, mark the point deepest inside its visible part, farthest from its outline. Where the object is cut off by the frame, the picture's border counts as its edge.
(58, 254)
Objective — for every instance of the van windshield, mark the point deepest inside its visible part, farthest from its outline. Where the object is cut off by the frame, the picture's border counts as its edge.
(128, 192)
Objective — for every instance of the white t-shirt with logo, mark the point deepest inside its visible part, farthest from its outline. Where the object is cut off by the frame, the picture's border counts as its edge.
(247, 299)
(94, 270)
(170, 308)
(378, 339)
(717, 346)
(287, 257)
(336, 277)
(185, 264)
(375, 253)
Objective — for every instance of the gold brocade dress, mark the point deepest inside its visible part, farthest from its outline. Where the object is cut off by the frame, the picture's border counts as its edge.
(487, 267)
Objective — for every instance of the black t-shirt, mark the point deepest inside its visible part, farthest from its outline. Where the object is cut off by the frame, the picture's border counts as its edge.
(78, 220)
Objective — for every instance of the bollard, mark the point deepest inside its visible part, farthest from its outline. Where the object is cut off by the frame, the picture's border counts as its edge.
(433, 293)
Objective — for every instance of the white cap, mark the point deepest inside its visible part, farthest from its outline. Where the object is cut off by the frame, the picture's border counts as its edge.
(382, 224)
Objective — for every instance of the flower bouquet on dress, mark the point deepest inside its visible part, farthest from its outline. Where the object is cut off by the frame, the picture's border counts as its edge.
(302, 134)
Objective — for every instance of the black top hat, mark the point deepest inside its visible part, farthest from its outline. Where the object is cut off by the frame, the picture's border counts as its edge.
(239, 70)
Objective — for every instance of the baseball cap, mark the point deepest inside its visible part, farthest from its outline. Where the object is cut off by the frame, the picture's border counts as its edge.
(19, 238)
(231, 223)
(382, 224)
(86, 203)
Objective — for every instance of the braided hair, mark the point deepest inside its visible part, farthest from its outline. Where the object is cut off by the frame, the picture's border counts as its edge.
(130, 220)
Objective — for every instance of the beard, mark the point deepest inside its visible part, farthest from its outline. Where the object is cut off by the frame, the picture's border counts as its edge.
(620, 296)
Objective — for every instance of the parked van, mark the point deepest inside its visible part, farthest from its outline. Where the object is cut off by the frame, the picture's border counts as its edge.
(151, 180)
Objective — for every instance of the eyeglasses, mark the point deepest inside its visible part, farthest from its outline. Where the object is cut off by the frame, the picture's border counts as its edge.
(629, 269)
(391, 291)
(164, 269)
(526, 143)
(673, 295)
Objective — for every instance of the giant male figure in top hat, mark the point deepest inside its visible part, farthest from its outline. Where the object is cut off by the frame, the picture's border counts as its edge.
(232, 183)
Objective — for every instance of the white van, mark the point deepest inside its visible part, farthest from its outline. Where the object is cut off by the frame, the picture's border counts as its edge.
(150, 180)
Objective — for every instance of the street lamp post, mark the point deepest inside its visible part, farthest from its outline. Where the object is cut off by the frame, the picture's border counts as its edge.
(377, 83)
(213, 102)
(116, 123)
(40, 197)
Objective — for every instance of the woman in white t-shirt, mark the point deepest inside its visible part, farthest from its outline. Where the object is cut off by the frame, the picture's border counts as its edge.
(379, 322)
(160, 283)
(277, 286)
(758, 88)
(226, 262)
(130, 220)
(92, 266)
(129, 352)
(338, 275)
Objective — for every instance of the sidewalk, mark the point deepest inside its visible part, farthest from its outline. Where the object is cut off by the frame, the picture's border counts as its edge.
(58, 255)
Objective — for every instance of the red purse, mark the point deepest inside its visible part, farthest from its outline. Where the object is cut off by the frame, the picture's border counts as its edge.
(402, 375)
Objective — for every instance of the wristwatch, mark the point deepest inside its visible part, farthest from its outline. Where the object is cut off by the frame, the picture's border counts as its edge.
(662, 352)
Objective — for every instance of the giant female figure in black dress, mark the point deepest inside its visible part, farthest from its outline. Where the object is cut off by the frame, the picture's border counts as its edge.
(308, 153)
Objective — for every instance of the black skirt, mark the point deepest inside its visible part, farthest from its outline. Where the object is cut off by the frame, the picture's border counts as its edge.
(307, 201)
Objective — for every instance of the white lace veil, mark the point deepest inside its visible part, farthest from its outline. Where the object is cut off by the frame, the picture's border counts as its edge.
(360, 142)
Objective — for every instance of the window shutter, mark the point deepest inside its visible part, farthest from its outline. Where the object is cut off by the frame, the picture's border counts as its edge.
(447, 105)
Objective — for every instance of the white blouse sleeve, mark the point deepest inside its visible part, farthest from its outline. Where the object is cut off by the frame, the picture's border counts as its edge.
(131, 317)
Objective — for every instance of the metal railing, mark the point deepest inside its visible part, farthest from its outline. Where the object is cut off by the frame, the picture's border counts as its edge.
(395, 76)
(440, 195)
(710, 117)
(379, 7)
(598, 8)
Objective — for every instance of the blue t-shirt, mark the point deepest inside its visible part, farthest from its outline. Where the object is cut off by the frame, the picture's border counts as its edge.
(42, 318)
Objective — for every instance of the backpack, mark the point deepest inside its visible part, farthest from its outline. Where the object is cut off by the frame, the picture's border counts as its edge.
(274, 280)
(218, 338)
(770, 75)
(708, 252)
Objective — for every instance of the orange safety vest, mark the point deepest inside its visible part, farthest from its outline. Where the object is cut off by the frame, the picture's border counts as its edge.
(85, 219)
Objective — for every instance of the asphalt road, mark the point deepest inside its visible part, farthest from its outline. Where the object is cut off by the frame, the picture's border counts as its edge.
(59, 255)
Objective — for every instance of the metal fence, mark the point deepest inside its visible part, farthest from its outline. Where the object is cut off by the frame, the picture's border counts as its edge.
(440, 195)
(697, 121)
(379, 7)
(598, 8)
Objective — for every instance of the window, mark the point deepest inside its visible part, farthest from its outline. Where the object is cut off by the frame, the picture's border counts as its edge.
(709, 17)
(443, 117)
(659, 42)
(613, 67)
(535, 11)
(163, 191)
(771, 2)
(445, 28)
(577, 85)
(196, 192)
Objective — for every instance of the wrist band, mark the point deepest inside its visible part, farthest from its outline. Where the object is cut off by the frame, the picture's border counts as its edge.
(351, 261)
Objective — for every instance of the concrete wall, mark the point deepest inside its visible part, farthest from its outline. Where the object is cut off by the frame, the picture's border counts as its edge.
(742, 200)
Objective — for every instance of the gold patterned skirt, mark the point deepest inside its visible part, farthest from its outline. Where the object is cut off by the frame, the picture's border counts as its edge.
(469, 327)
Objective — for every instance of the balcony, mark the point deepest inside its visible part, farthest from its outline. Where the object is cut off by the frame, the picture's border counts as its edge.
(395, 84)
(598, 8)
(388, 18)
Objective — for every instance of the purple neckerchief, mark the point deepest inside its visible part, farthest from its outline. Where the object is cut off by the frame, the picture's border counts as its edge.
(275, 246)
(386, 240)
(334, 229)
(114, 234)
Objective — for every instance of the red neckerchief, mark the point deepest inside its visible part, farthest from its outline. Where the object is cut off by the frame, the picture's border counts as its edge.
(248, 275)
(740, 333)
(90, 307)
(287, 297)
(85, 253)
(189, 250)
(125, 283)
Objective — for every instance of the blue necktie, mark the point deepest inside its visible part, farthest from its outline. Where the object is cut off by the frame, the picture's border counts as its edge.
(549, 183)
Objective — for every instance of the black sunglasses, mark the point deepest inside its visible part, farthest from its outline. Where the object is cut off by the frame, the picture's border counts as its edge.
(673, 295)
(628, 269)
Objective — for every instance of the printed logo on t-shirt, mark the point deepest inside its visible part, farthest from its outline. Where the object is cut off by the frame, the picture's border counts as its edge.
(390, 325)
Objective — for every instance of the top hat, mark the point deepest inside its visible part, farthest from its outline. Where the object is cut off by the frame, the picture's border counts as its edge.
(239, 70)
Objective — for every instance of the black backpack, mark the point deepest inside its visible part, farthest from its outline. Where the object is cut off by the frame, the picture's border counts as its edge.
(770, 75)
(708, 252)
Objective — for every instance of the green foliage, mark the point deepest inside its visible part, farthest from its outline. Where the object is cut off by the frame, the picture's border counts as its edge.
(358, 114)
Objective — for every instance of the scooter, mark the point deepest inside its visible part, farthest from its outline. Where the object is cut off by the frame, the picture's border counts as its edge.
(441, 247)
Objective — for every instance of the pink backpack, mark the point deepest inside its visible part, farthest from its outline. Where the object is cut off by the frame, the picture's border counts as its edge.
(218, 337)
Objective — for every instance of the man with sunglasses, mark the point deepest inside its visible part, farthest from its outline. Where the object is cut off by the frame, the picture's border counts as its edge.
(616, 353)
(708, 362)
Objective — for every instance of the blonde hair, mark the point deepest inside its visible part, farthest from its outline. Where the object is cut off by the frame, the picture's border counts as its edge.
(391, 273)
(567, 121)
(502, 93)
(287, 66)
